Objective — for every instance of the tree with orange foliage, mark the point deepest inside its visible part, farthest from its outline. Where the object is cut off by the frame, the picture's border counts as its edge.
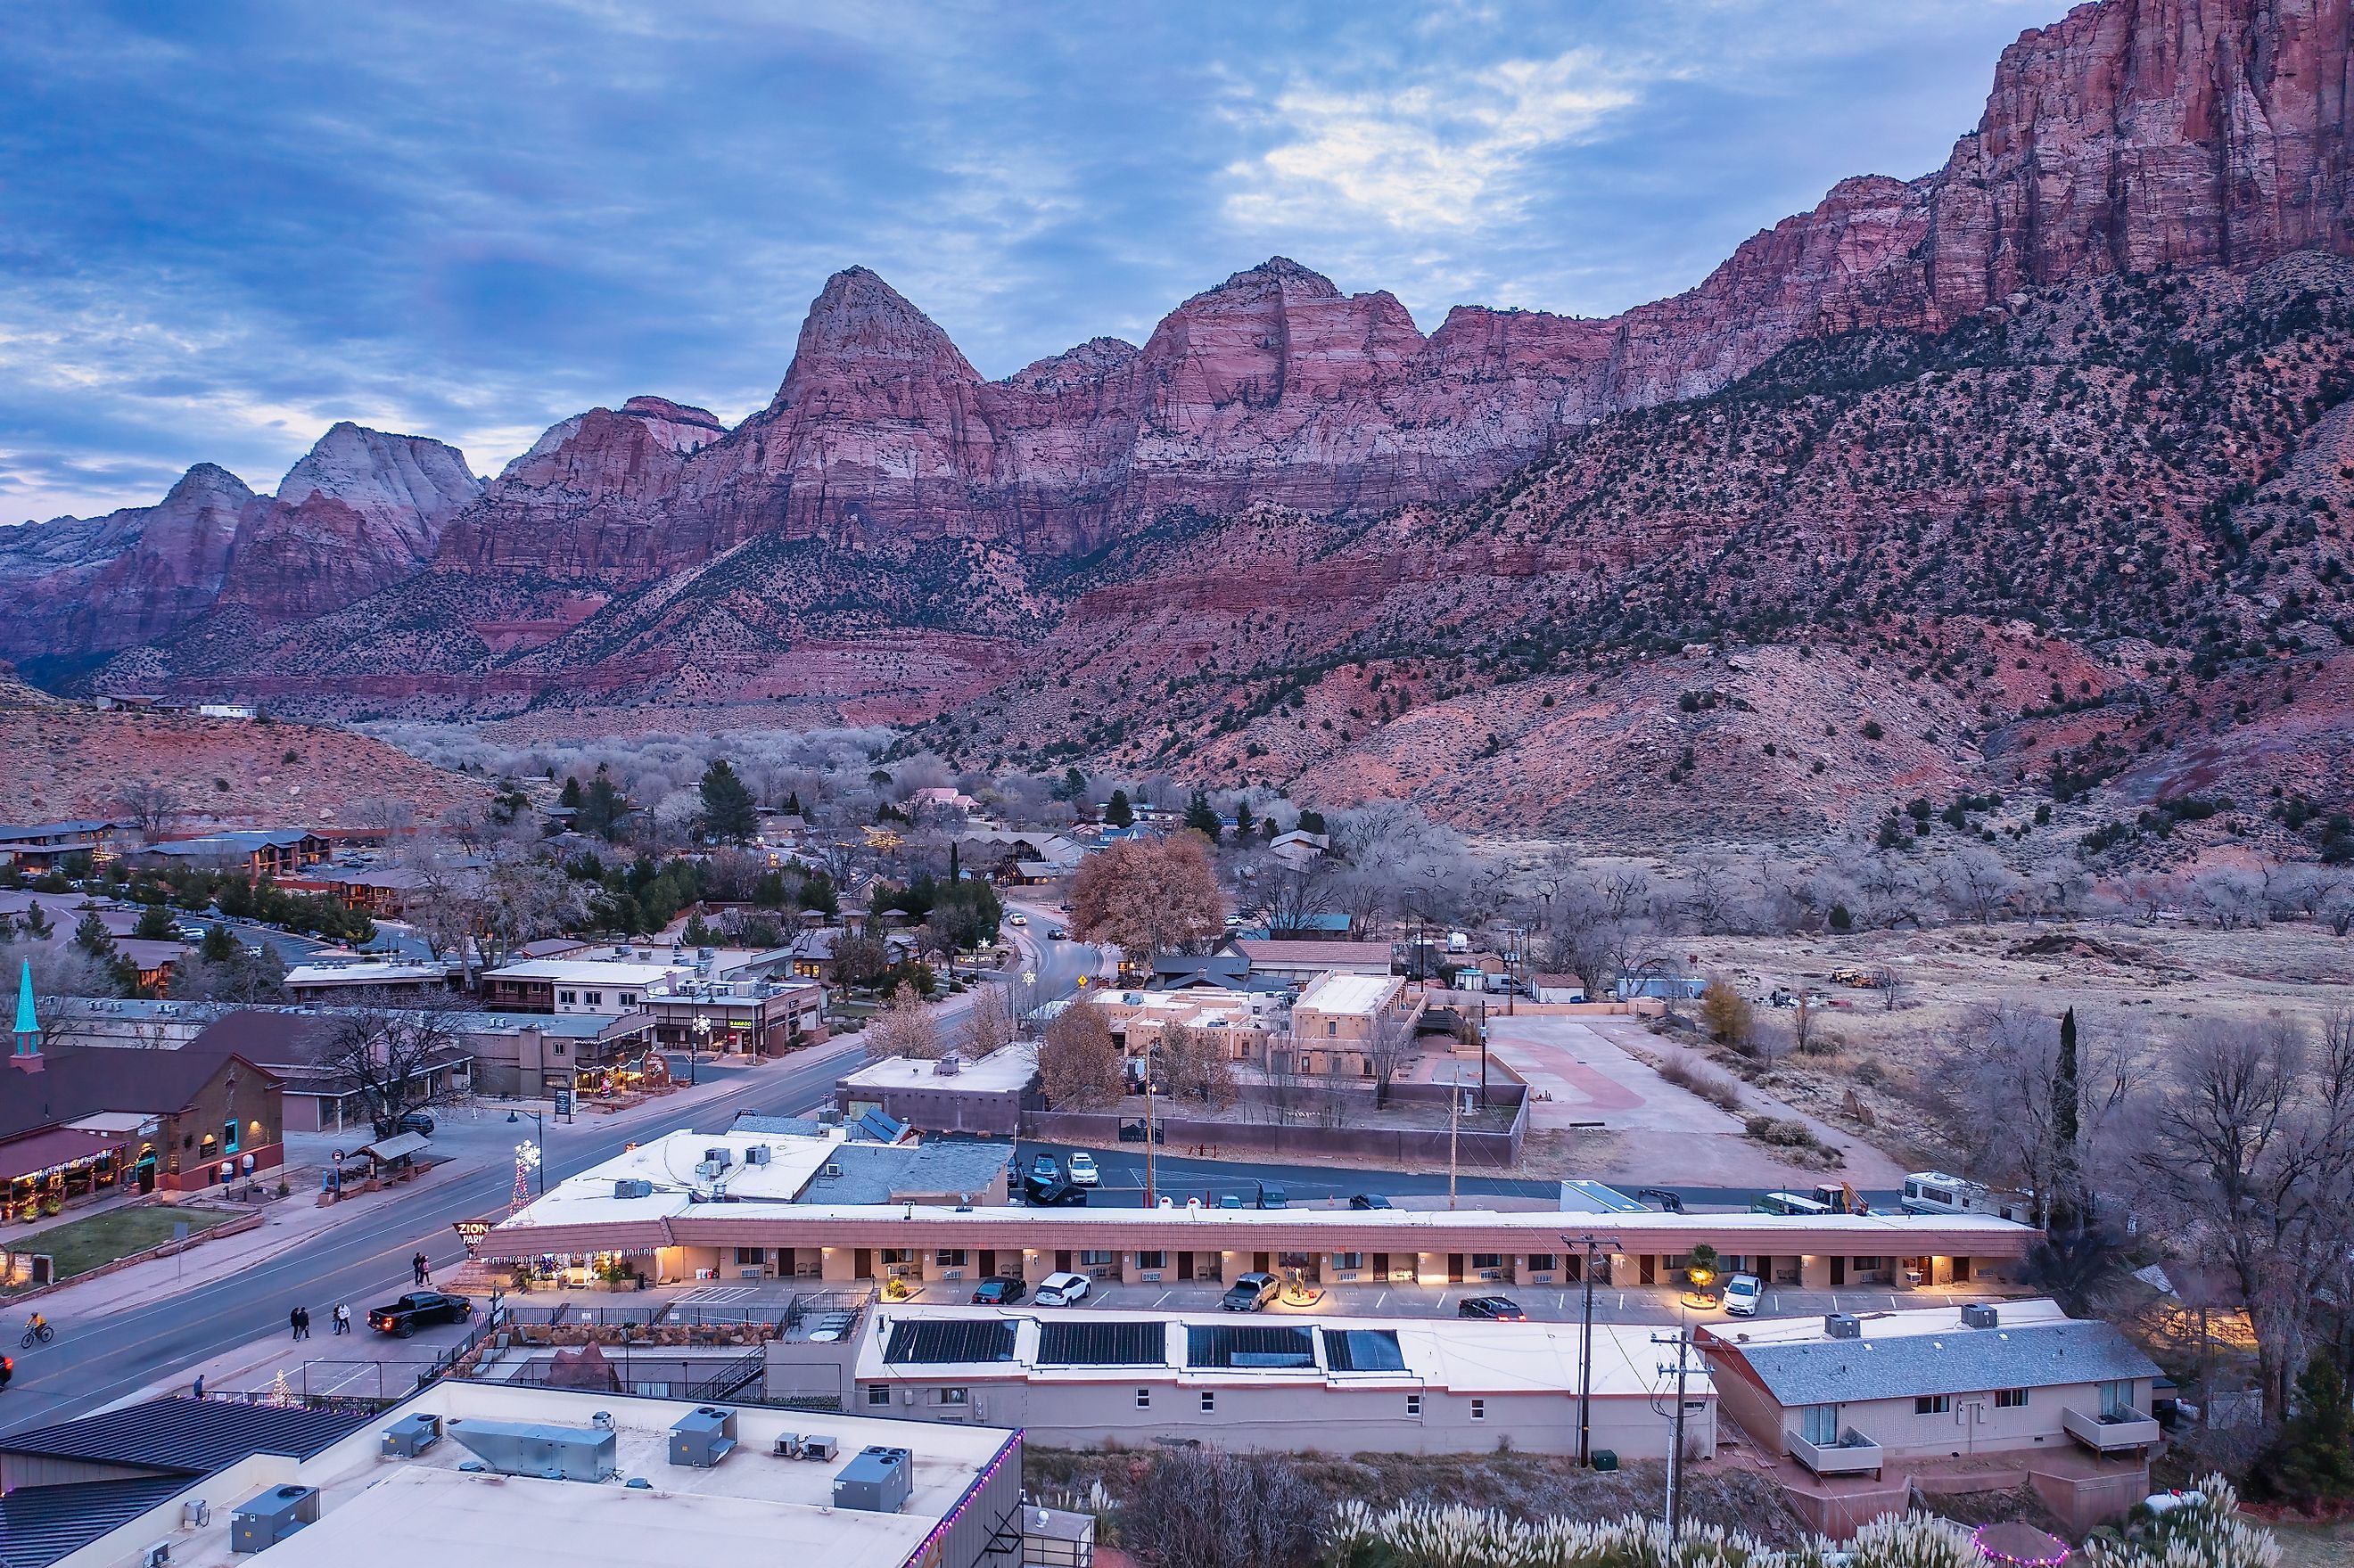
(1150, 897)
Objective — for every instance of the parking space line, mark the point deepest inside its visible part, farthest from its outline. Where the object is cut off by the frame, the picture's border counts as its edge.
(1164, 1296)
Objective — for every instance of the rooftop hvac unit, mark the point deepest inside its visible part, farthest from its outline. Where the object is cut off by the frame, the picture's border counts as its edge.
(702, 1436)
(1981, 1315)
(1842, 1326)
(948, 1066)
(268, 1517)
(789, 1446)
(633, 1187)
(195, 1513)
(157, 1556)
(877, 1480)
(757, 1155)
(411, 1436)
(820, 1445)
(535, 1449)
(718, 1156)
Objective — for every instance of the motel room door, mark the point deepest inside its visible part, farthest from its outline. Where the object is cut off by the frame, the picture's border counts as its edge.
(1185, 1265)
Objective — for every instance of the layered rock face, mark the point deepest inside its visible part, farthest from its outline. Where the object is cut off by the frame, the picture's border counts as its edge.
(360, 511)
(2132, 135)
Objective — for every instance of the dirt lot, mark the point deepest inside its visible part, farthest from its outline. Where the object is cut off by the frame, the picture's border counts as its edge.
(2148, 979)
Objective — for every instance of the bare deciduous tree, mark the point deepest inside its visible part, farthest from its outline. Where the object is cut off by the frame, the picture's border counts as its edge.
(1198, 1508)
(989, 1024)
(153, 805)
(905, 1028)
(1194, 1065)
(385, 1048)
(1079, 1062)
(2253, 1136)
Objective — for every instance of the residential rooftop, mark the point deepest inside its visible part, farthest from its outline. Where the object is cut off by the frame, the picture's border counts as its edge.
(1908, 1353)
(1348, 994)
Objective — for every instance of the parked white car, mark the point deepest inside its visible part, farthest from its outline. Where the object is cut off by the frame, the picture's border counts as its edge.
(1742, 1294)
(1082, 1168)
(1064, 1290)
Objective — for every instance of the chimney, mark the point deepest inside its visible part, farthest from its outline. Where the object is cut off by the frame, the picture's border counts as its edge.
(28, 1056)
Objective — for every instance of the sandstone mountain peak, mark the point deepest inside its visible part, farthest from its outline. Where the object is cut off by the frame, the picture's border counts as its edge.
(1286, 274)
(209, 482)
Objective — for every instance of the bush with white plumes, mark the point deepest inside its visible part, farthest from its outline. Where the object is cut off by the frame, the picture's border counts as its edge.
(1914, 1540)
(2202, 1530)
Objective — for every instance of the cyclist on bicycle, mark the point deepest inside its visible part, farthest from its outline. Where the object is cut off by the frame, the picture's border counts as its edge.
(38, 1328)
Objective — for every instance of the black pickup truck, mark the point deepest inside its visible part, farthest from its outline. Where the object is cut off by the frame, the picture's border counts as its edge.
(419, 1309)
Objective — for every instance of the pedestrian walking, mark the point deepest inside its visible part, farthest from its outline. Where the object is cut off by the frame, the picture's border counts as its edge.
(302, 1323)
(418, 1264)
(343, 1319)
(294, 1320)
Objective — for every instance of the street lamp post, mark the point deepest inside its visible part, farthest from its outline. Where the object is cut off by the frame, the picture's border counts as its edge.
(538, 1145)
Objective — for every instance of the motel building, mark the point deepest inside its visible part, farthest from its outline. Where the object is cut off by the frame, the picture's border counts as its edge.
(736, 1205)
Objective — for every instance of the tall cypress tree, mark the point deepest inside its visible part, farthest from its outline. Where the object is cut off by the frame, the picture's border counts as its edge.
(2067, 1127)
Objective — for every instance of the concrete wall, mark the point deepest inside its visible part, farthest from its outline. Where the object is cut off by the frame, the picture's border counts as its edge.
(1478, 1148)
(1291, 1417)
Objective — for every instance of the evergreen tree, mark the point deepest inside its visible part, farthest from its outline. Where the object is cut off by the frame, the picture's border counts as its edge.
(37, 924)
(729, 812)
(603, 809)
(793, 804)
(220, 946)
(571, 795)
(156, 925)
(2313, 1459)
(1202, 817)
(1312, 821)
(2067, 1127)
(92, 936)
(817, 893)
(1242, 819)
(1073, 785)
(1118, 812)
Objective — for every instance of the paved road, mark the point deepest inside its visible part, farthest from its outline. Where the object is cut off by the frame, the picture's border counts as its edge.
(363, 1261)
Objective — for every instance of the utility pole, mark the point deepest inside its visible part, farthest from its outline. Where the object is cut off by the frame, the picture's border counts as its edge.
(1681, 1340)
(1454, 1119)
(1150, 1201)
(1594, 1247)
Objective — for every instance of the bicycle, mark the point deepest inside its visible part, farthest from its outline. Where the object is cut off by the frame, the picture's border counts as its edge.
(41, 1331)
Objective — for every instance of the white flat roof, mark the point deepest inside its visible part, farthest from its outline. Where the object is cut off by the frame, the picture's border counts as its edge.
(751, 1507)
(1348, 994)
(363, 974)
(669, 1161)
(1458, 1355)
(1001, 1071)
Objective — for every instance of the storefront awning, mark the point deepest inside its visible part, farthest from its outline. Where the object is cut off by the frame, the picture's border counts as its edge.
(398, 1145)
(59, 1146)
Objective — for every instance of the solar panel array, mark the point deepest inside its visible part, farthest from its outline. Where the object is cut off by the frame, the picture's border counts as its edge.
(1103, 1343)
(990, 1340)
(1363, 1349)
(1252, 1345)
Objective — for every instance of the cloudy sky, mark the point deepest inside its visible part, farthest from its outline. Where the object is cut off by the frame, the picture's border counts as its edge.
(224, 226)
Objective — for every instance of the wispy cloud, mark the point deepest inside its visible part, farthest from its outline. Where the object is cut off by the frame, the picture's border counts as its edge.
(227, 227)
(1453, 151)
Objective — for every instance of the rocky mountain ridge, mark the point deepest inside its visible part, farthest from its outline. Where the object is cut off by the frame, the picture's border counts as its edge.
(2062, 361)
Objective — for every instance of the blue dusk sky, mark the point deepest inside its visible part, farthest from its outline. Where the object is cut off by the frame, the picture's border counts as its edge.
(225, 226)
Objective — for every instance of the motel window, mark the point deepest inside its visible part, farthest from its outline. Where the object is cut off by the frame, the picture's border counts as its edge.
(1332, 1026)
(1152, 1260)
(1348, 1260)
(878, 1394)
(898, 1255)
(748, 1254)
(951, 1396)
(1209, 1400)
(628, 999)
(1478, 1410)
(567, 998)
(1414, 1404)
(949, 1257)
(594, 997)
(1869, 1265)
(559, 1047)
(1486, 1260)
(1542, 1262)
(1143, 1398)
(1934, 1405)
(1097, 1259)
(2011, 1399)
